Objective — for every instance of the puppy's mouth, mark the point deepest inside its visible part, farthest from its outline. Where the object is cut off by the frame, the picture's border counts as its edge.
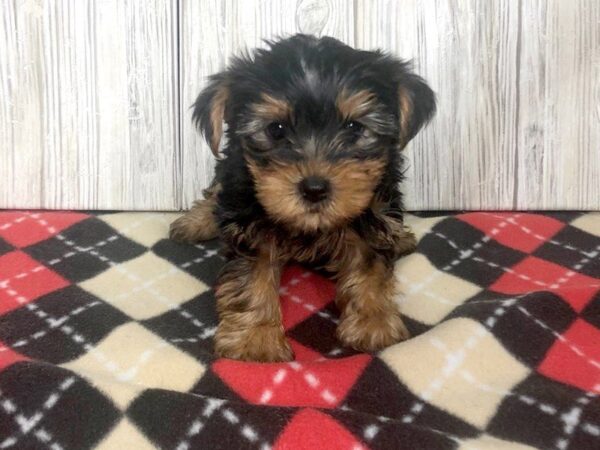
(311, 208)
(321, 214)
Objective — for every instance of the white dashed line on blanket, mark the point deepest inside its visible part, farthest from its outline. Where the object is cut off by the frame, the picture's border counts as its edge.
(53, 325)
(560, 337)
(7, 225)
(147, 286)
(314, 382)
(120, 373)
(42, 222)
(370, 431)
(544, 407)
(561, 280)
(278, 378)
(539, 237)
(491, 321)
(463, 255)
(207, 333)
(572, 418)
(214, 405)
(591, 429)
(31, 423)
(284, 292)
(197, 425)
(454, 361)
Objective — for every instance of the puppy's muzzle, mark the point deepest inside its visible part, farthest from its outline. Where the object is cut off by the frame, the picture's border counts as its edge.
(314, 189)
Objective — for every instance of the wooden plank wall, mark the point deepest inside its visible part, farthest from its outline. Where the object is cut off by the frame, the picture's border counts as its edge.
(96, 95)
(88, 109)
(518, 85)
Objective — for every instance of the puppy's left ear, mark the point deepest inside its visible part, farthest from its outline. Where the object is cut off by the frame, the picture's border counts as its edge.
(209, 110)
(416, 106)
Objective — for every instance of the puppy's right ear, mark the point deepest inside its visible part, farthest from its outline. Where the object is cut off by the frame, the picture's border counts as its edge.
(209, 111)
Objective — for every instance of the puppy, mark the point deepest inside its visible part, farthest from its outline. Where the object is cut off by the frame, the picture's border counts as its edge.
(309, 172)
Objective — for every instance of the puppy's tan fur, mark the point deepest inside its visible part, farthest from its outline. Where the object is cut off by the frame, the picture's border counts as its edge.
(248, 290)
(352, 185)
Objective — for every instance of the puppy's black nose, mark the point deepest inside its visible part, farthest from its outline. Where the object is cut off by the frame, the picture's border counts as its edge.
(314, 188)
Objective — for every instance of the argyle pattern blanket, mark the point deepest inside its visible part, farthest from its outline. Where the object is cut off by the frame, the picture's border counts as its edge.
(106, 331)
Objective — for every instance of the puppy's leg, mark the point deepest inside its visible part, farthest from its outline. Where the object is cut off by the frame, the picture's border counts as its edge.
(395, 236)
(386, 234)
(250, 326)
(199, 223)
(366, 287)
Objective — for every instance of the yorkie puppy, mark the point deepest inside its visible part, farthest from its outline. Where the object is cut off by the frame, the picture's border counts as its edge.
(309, 173)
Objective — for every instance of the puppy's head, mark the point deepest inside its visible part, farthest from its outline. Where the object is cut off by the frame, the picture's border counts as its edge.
(318, 125)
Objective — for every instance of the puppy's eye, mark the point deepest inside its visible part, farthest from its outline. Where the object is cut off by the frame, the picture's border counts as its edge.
(276, 130)
(354, 126)
(355, 130)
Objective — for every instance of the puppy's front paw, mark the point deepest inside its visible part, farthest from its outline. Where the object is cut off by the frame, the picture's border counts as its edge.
(405, 242)
(262, 343)
(371, 333)
(398, 238)
(181, 230)
(193, 227)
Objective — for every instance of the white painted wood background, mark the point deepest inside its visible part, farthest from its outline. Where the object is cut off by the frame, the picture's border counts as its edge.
(95, 96)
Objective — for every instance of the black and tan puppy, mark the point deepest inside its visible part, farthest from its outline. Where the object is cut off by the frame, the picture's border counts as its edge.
(309, 172)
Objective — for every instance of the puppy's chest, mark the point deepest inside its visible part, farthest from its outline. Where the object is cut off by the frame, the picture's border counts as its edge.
(318, 251)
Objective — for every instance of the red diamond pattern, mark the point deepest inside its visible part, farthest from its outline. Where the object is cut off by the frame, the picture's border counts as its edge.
(303, 294)
(575, 357)
(524, 232)
(24, 280)
(534, 274)
(23, 228)
(319, 382)
(310, 429)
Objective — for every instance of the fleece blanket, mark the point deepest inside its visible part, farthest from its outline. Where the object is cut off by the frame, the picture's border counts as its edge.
(106, 331)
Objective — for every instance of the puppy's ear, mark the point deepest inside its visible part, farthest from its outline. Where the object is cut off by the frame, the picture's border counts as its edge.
(209, 110)
(416, 106)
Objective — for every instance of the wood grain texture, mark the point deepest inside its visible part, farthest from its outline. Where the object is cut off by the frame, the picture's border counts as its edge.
(21, 134)
(96, 96)
(89, 119)
(518, 89)
(212, 30)
(468, 52)
(558, 159)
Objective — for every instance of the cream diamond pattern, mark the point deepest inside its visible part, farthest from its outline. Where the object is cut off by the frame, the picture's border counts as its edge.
(434, 301)
(589, 223)
(145, 286)
(125, 436)
(445, 365)
(132, 354)
(144, 228)
(420, 226)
